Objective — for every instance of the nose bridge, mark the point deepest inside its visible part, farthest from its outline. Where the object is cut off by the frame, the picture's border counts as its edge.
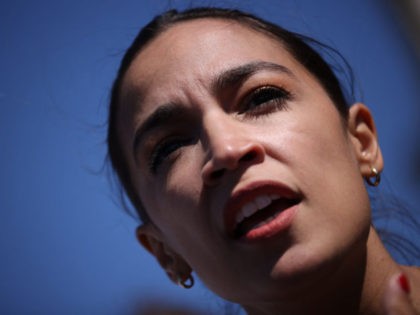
(222, 135)
(228, 145)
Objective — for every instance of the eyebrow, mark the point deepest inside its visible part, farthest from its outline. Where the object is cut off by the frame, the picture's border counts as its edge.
(162, 116)
(167, 113)
(239, 74)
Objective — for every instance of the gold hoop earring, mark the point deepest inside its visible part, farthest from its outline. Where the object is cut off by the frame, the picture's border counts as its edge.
(376, 177)
(187, 283)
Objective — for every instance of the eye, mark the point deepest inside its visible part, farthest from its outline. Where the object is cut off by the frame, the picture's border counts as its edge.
(164, 150)
(264, 100)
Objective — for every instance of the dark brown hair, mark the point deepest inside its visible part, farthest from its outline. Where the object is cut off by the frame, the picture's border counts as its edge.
(299, 46)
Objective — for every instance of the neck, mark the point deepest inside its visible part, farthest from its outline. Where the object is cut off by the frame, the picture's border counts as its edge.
(352, 289)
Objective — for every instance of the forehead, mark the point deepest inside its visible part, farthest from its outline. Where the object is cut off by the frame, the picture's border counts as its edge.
(181, 62)
(195, 51)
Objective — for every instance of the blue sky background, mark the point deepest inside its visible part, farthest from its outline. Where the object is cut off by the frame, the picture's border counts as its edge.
(65, 246)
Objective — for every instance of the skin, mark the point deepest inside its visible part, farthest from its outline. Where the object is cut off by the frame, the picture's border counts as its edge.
(329, 260)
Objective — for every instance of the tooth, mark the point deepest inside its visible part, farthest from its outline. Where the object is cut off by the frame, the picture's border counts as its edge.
(252, 207)
(263, 201)
(239, 216)
(249, 209)
(274, 196)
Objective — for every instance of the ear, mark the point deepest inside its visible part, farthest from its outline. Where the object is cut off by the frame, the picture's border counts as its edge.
(171, 262)
(365, 140)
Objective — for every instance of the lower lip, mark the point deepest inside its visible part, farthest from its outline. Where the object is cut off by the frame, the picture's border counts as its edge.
(279, 224)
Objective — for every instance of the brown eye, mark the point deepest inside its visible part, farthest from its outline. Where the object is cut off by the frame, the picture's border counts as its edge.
(265, 100)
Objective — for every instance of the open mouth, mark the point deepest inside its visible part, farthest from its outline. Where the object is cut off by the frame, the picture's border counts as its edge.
(260, 212)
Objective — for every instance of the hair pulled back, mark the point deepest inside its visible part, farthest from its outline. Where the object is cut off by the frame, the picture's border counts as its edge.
(297, 45)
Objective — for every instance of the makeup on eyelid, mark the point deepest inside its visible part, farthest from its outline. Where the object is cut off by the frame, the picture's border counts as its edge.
(259, 102)
(246, 164)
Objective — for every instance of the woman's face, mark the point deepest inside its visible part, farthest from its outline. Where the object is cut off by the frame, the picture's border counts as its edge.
(241, 160)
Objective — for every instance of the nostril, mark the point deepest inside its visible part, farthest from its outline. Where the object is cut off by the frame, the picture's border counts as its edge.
(230, 158)
(217, 174)
(248, 157)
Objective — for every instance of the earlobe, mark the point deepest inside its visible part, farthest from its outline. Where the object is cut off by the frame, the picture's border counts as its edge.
(365, 141)
(171, 262)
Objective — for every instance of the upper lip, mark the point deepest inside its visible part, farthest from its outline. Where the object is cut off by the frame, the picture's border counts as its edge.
(249, 193)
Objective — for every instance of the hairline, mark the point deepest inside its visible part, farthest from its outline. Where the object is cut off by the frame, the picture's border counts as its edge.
(247, 22)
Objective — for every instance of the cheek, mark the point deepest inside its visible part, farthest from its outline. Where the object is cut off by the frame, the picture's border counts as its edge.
(331, 161)
(182, 184)
(310, 139)
(321, 155)
(172, 200)
(321, 142)
(333, 184)
(335, 213)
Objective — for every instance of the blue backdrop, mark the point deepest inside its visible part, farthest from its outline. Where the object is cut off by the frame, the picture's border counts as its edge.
(66, 247)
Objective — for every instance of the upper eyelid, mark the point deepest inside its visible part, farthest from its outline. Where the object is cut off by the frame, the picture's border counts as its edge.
(180, 131)
(266, 78)
(265, 87)
(247, 97)
(152, 156)
(163, 117)
(253, 91)
(228, 79)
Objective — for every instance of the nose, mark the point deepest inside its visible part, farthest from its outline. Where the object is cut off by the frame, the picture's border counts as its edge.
(230, 146)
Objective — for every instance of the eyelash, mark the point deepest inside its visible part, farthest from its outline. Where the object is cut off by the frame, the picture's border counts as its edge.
(267, 99)
(164, 149)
